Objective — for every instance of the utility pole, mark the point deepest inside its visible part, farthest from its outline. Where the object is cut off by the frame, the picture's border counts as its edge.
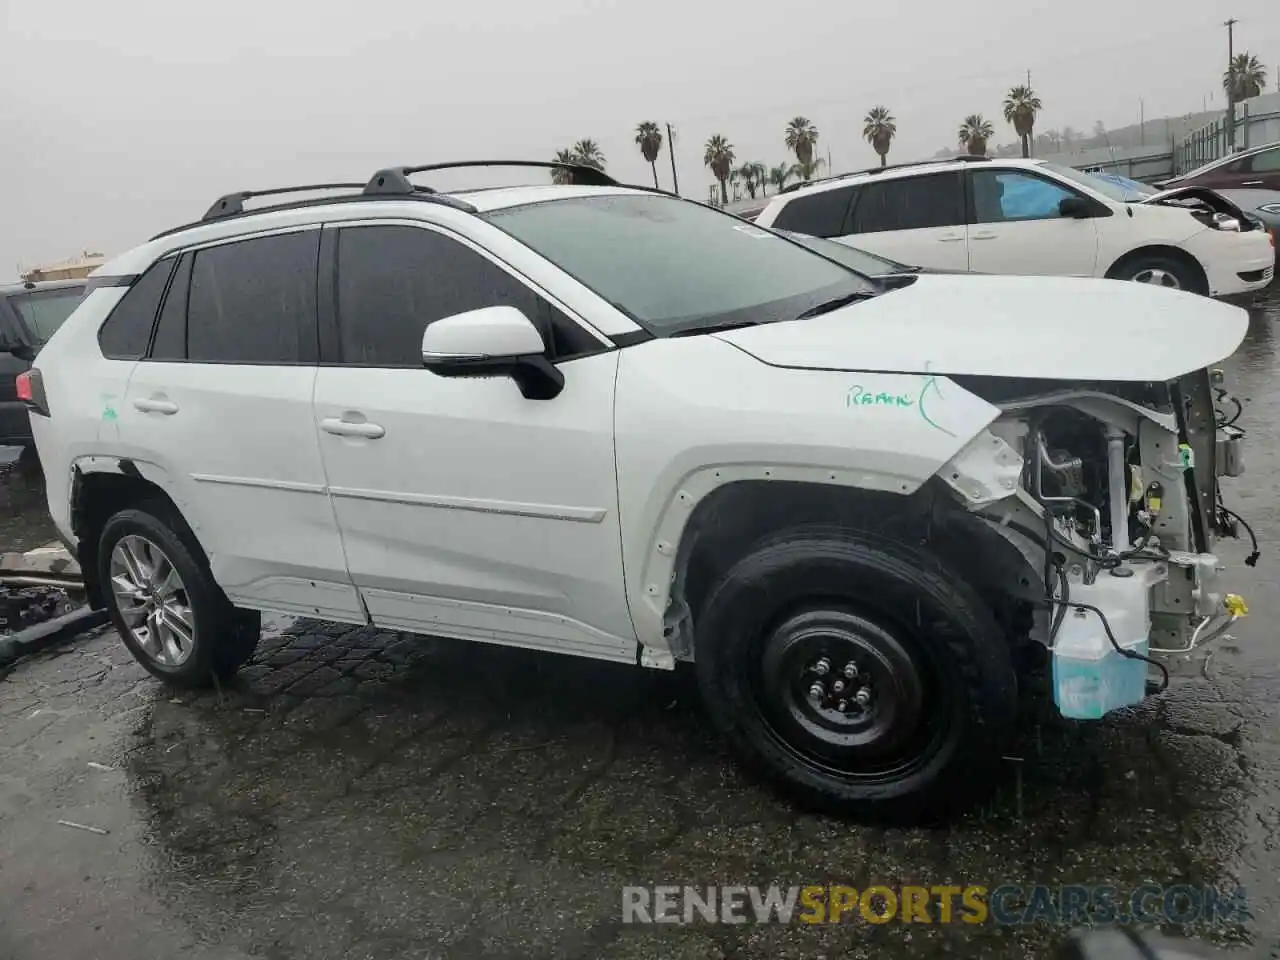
(1028, 79)
(1231, 84)
(1142, 116)
(671, 150)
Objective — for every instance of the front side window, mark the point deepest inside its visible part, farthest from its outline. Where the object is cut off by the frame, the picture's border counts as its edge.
(394, 281)
(675, 265)
(1008, 196)
(909, 203)
(251, 301)
(125, 334)
(819, 214)
(44, 311)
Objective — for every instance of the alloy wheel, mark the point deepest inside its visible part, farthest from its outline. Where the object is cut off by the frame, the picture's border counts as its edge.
(152, 601)
(1157, 277)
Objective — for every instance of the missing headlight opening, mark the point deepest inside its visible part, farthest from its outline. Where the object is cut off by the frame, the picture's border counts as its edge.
(1114, 518)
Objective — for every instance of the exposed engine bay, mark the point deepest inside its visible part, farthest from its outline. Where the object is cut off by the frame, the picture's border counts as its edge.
(1208, 206)
(1114, 515)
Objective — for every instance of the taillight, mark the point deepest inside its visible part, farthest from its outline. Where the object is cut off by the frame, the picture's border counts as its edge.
(31, 391)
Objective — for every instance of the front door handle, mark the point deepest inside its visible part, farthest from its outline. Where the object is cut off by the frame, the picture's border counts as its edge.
(348, 428)
(155, 405)
(1252, 183)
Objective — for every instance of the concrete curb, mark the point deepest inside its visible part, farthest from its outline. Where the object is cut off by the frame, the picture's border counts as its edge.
(41, 636)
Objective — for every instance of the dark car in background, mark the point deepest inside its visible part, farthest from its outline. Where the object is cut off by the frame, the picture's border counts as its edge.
(29, 314)
(1262, 205)
(1255, 167)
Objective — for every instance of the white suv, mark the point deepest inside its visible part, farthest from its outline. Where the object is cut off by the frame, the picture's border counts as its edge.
(605, 421)
(1031, 217)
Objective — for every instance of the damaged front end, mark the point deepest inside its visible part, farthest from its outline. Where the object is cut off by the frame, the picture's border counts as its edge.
(1096, 506)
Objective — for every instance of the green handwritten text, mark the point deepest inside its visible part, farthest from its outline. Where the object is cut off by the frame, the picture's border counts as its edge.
(861, 397)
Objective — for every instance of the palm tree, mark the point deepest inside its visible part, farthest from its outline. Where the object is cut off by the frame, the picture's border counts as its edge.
(559, 174)
(649, 137)
(879, 129)
(587, 153)
(754, 175)
(1244, 78)
(801, 137)
(779, 175)
(1020, 108)
(974, 134)
(761, 175)
(718, 155)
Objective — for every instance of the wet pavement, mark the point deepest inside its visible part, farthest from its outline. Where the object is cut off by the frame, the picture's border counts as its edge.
(359, 793)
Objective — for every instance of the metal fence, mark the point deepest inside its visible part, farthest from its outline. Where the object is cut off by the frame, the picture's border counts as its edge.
(1257, 122)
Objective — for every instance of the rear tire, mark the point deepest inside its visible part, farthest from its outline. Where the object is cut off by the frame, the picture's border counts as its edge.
(908, 718)
(164, 602)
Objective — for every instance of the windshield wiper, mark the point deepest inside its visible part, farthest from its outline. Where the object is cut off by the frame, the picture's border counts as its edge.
(715, 327)
(826, 306)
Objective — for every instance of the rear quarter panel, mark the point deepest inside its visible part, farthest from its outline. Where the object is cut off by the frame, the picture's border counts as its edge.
(83, 390)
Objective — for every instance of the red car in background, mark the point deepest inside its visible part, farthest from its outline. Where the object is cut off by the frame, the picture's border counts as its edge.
(1256, 168)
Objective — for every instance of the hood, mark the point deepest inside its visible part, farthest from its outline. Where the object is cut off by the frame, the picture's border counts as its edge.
(1195, 198)
(1048, 328)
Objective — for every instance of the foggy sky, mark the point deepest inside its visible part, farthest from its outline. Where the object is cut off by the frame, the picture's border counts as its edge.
(118, 120)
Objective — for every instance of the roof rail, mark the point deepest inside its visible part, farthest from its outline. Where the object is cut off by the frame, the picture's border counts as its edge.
(963, 158)
(233, 203)
(395, 180)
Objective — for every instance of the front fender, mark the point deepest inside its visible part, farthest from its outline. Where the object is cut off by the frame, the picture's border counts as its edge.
(694, 414)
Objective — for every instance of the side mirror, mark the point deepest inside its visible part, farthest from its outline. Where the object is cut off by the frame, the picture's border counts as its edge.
(20, 350)
(492, 342)
(1073, 207)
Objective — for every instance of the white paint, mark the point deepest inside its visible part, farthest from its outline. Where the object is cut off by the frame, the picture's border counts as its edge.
(1060, 246)
(1040, 327)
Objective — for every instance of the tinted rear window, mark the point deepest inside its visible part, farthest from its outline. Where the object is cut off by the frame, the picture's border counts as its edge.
(125, 334)
(251, 301)
(45, 310)
(910, 203)
(817, 214)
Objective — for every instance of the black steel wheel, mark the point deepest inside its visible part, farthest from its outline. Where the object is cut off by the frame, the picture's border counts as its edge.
(862, 675)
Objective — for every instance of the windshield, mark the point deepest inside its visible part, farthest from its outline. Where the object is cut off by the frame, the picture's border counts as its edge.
(44, 311)
(1107, 187)
(674, 265)
(855, 259)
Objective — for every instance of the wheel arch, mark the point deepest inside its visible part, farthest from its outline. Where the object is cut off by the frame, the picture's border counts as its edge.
(1161, 250)
(100, 488)
(730, 520)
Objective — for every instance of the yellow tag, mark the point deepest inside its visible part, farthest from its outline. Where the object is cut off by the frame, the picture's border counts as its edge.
(1236, 605)
(1153, 504)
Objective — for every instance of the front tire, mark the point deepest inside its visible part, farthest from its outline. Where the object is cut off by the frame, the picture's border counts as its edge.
(164, 602)
(861, 675)
(1161, 271)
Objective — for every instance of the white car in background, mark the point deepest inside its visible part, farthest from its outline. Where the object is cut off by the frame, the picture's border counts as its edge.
(1030, 217)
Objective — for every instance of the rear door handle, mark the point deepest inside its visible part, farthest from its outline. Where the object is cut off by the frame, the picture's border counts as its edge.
(1252, 183)
(951, 238)
(348, 428)
(982, 236)
(155, 405)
